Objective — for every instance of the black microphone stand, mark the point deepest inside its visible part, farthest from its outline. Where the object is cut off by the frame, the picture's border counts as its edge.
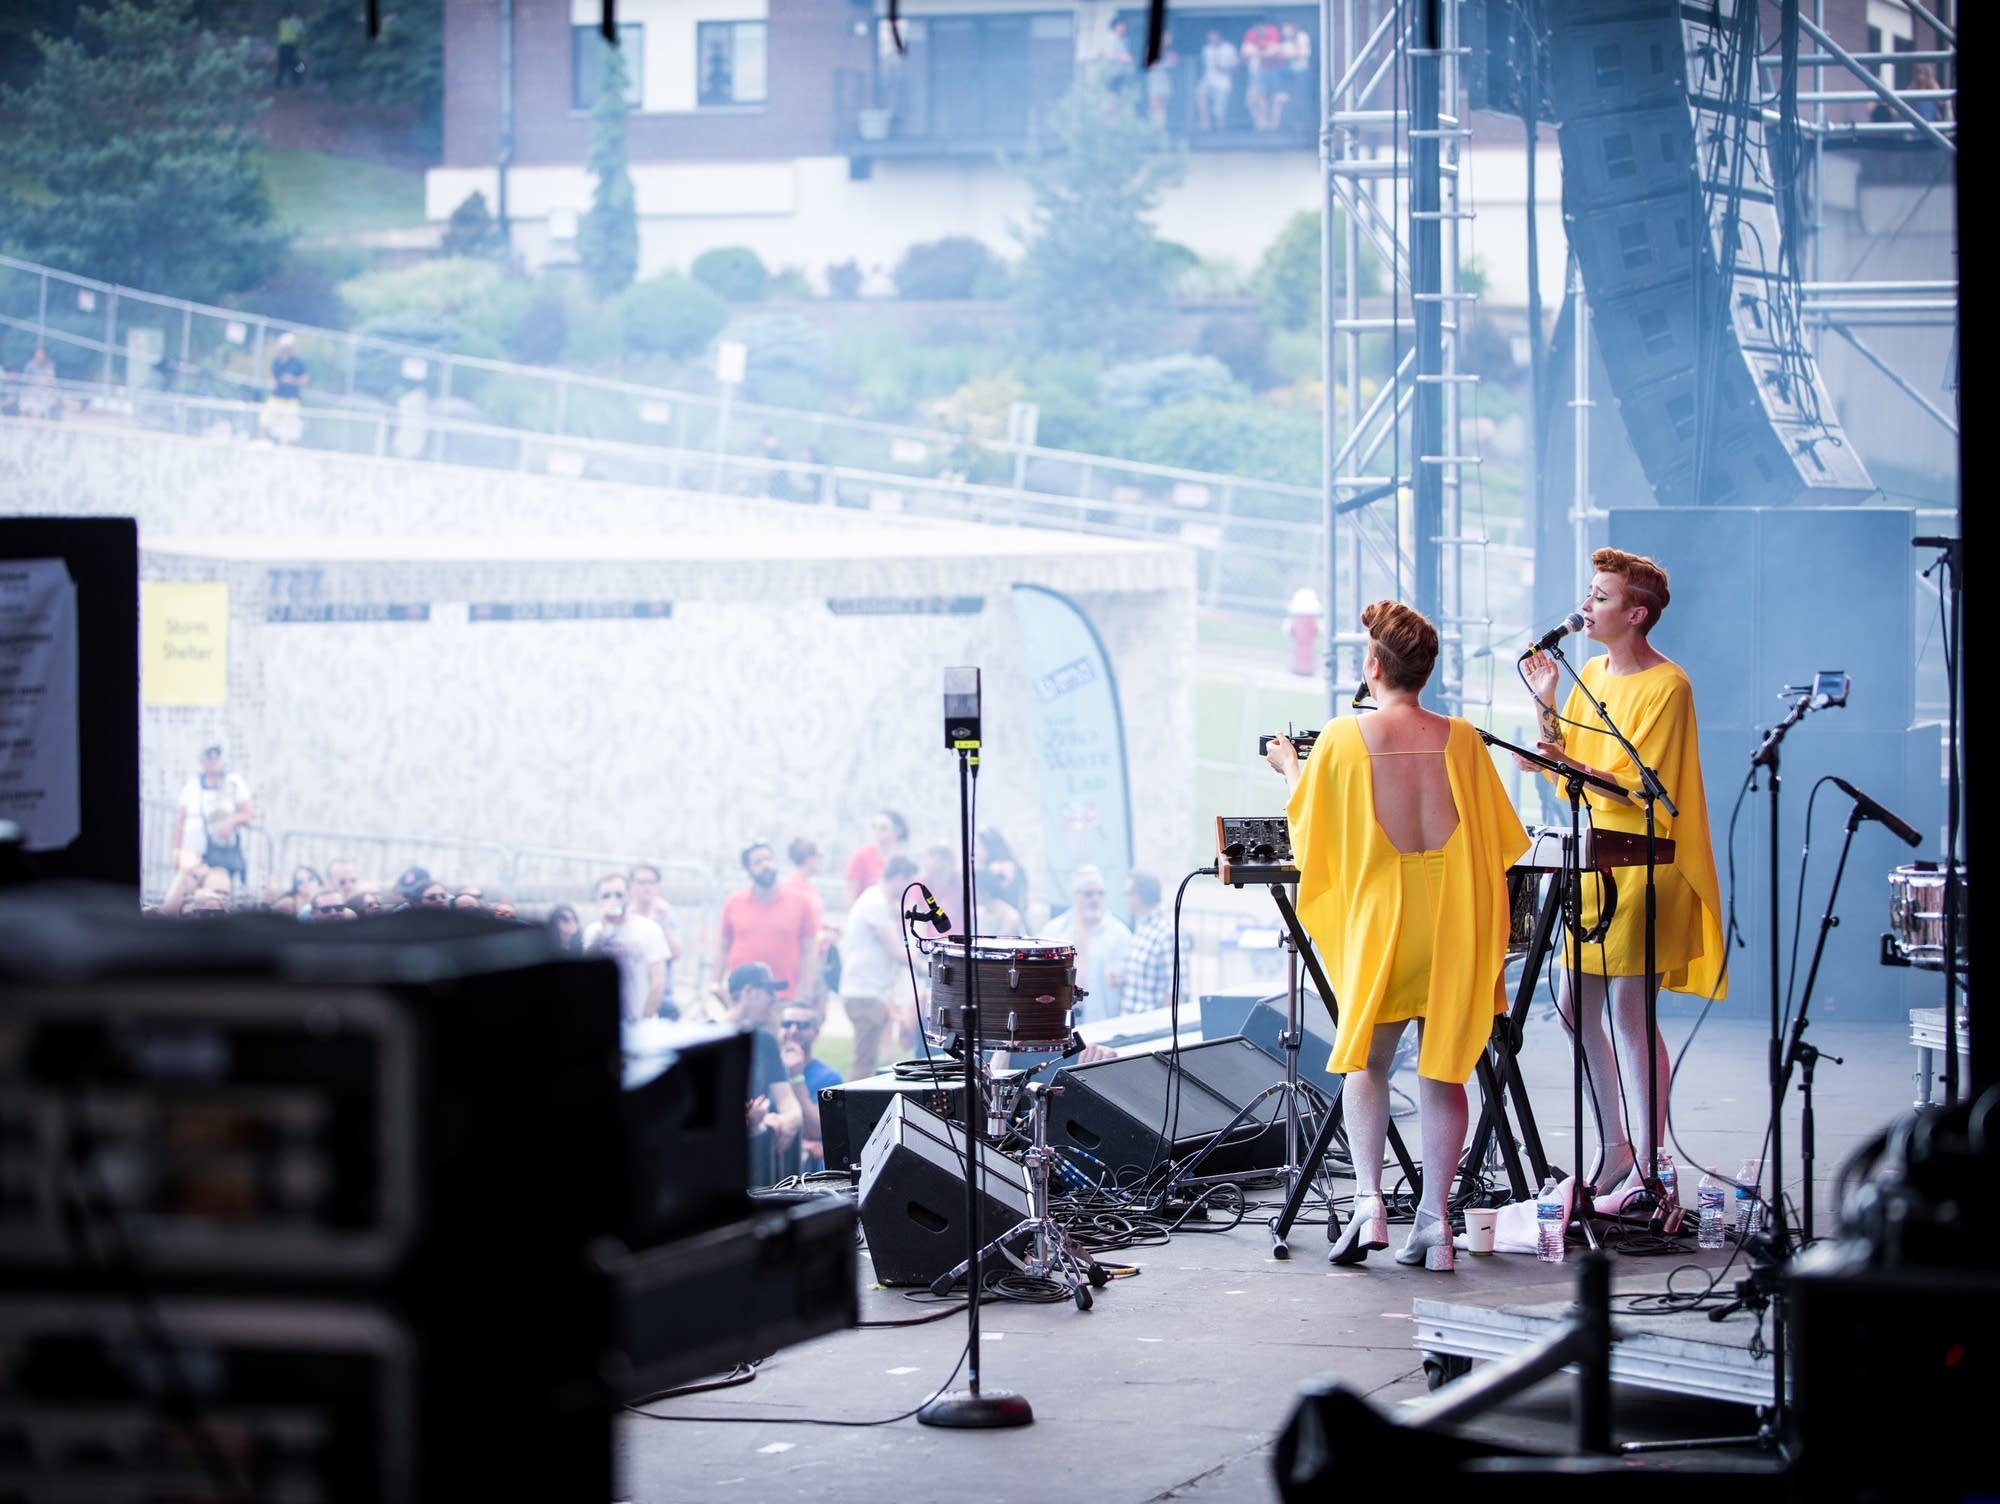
(969, 1409)
(1798, 1052)
(1653, 792)
(1776, 1236)
(1575, 781)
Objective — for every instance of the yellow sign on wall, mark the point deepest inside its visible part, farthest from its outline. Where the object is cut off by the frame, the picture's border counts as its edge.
(184, 644)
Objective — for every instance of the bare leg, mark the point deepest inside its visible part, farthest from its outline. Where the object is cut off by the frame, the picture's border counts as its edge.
(1614, 1160)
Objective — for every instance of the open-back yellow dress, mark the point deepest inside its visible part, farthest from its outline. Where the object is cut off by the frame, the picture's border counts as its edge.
(1419, 934)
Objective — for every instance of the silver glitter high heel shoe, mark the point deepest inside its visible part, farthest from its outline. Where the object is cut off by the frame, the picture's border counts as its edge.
(1429, 1243)
(1367, 1228)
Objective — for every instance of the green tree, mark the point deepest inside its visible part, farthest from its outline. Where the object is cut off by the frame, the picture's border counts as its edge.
(1093, 277)
(607, 242)
(403, 65)
(134, 159)
(1287, 279)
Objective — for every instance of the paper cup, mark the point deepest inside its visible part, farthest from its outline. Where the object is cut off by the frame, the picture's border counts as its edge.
(1479, 1228)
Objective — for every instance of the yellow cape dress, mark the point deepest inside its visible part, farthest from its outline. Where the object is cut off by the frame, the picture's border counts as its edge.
(1655, 710)
(1352, 892)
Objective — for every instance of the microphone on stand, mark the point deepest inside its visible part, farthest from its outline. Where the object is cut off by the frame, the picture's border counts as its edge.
(939, 920)
(1870, 810)
(1571, 623)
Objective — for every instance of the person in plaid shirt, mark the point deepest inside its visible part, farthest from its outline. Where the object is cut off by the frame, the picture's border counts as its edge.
(1149, 962)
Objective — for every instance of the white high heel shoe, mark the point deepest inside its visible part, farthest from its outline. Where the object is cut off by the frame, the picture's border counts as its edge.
(1367, 1228)
(1429, 1243)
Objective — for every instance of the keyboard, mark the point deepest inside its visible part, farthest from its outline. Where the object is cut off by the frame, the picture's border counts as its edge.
(1602, 849)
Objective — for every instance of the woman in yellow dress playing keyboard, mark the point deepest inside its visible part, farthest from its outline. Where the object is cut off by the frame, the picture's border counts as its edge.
(1649, 697)
(1403, 835)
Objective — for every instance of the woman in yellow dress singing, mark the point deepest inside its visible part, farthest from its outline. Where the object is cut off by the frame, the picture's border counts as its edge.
(1403, 835)
(1649, 697)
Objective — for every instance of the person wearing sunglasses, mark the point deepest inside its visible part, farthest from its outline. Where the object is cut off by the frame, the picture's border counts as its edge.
(635, 943)
(798, 1033)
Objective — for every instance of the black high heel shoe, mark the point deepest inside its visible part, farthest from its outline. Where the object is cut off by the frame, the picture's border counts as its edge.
(1367, 1228)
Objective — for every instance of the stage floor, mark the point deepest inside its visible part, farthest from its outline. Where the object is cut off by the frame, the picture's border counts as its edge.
(1178, 1382)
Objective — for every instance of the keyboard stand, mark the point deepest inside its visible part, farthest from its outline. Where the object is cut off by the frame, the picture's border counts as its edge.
(1500, 1067)
(1331, 1122)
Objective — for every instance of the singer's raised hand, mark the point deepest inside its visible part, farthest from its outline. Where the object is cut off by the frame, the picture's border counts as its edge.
(1283, 756)
(1539, 669)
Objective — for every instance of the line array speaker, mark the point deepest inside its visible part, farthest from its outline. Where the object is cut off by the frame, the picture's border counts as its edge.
(1667, 197)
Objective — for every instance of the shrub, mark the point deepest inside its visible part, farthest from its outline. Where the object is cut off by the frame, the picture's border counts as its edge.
(1288, 277)
(843, 279)
(305, 289)
(440, 288)
(379, 373)
(1295, 355)
(472, 230)
(543, 330)
(782, 348)
(671, 315)
(957, 266)
(1237, 438)
(1143, 385)
(789, 284)
(1241, 344)
(1067, 421)
(734, 272)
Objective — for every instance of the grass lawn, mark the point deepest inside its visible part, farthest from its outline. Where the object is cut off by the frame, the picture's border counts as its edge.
(319, 193)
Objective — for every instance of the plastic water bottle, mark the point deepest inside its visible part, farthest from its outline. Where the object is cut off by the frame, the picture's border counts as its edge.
(1749, 1210)
(1708, 1233)
(1669, 1177)
(1550, 1233)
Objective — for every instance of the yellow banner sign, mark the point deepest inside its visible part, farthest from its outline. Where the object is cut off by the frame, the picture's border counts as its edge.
(184, 644)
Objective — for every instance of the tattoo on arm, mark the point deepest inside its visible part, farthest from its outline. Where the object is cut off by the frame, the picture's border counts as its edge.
(1552, 727)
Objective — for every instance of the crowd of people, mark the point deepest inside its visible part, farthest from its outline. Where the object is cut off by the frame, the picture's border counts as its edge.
(1260, 81)
(851, 955)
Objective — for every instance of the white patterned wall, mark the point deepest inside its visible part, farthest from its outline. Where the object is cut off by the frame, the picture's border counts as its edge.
(751, 709)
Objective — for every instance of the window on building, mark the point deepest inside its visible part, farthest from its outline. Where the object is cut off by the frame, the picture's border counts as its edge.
(586, 64)
(977, 77)
(731, 55)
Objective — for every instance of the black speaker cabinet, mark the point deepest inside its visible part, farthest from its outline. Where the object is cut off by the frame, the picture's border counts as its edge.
(912, 1195)
(849, 1112)
(1262, 1021)
(689, 1149)
(1147, 1110)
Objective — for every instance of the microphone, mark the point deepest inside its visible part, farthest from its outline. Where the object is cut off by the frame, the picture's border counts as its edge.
(1571, 623)
(939, 920)
(1870, 810)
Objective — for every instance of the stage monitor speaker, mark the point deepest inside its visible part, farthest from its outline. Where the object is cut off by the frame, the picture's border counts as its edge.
(1263, 1024)
(849, 1112)
(684, 1132)
(912, 1195)
(1149, 1110)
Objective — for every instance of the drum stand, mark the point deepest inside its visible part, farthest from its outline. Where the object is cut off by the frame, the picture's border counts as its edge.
(1053, 1254)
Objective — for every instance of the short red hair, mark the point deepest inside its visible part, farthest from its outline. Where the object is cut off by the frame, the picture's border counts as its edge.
(1644, 581)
